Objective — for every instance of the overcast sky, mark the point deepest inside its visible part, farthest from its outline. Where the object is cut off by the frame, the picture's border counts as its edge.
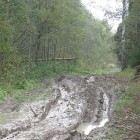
(96, 7)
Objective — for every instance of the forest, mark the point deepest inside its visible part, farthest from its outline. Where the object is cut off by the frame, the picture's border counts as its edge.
(132, 30)
(36, 34)
(41, 40)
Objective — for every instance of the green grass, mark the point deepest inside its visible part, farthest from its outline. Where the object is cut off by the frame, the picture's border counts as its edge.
(27, 77)
(122, 104)
(128, 104)
(17, 91)
(97, 71)
(129, 100)
(128, 73)
(127, 95)
(3, 94)
(102, 71)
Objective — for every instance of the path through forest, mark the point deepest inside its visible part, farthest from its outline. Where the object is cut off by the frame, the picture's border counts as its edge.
(77, 109)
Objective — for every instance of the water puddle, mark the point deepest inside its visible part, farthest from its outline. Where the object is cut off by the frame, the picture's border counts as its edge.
(86, 128)
(90, 127)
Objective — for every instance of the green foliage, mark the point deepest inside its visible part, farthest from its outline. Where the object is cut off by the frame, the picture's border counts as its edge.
(132, 35)
(127, 73)
(31, 29)
(16, 88)
(3, 94)
(25, 84)
(48, 69)
(134, 57)
(95, 71)
(25, 78)
(41, 30)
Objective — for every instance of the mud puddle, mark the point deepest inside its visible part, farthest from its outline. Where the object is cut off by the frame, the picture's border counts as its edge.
(104, 116)
(78, 105)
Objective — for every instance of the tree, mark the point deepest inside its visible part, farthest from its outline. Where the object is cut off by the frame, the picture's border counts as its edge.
(123, 46)
(42, 29)
(131, 34)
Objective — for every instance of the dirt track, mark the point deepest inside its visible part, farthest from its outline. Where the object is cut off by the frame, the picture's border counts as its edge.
(75, 103)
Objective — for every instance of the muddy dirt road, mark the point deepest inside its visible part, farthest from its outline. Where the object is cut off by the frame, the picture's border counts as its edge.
(79, 108)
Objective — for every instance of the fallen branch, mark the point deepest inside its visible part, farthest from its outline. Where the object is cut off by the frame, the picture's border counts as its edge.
(35, 115)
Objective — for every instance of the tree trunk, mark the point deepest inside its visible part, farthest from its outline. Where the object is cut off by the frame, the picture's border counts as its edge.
(39, 31)
(123, 47)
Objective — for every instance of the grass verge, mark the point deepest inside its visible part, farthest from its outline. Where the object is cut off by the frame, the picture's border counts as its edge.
(28, 76)
(127, 108)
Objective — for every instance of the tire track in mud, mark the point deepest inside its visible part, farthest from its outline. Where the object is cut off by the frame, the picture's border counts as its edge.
(76, 100)
(9, 131)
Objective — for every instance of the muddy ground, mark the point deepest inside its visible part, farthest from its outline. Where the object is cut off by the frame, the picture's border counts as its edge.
(73, 104)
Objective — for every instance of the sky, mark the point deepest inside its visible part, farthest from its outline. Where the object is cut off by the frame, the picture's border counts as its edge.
(96, 7)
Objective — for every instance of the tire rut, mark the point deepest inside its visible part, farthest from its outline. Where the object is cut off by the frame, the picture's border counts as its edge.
(76, 100)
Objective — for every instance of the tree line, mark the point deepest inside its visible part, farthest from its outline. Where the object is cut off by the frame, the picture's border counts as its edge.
(49, 29)
(127, 36)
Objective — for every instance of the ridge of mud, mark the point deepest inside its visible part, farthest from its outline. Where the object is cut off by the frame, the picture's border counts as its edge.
(75, 100)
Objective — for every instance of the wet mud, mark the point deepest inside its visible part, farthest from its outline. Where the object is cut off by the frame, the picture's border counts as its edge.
(79, 109)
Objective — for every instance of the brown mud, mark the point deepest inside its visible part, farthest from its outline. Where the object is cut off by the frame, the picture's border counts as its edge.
(76, 104)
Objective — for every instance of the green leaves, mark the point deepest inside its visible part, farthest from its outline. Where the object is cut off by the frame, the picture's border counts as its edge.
(32, 30)
(132, 34)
